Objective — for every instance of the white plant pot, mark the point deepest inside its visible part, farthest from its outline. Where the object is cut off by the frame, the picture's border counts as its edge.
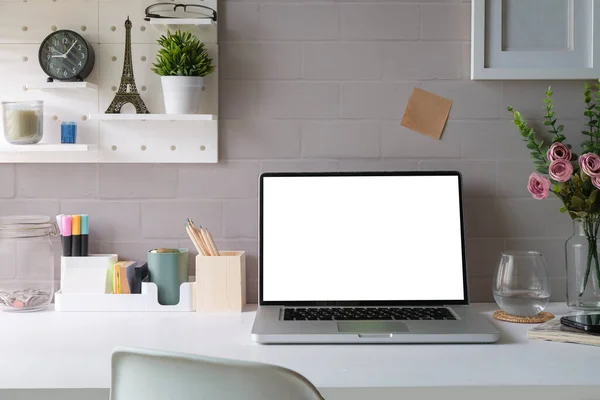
(182, 94)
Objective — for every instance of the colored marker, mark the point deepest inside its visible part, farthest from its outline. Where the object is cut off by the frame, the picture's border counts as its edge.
(67, 238)
(76, 234)
(85, 232)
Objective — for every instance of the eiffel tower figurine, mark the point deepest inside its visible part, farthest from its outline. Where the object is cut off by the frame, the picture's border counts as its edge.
(128, 92)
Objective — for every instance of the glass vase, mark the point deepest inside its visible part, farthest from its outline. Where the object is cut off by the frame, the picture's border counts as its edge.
(583, 265)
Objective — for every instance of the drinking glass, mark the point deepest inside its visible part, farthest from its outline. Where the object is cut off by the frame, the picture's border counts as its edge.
(521, 285)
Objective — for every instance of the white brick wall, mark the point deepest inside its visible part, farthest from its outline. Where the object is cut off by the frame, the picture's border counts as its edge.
(300, 99)
(322, 86)
(374, 21)
(375, 100)
(7, 181)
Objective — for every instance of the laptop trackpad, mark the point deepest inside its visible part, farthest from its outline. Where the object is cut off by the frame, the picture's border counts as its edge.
(372, 326)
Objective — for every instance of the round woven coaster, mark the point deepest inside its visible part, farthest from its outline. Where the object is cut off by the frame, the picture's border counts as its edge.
(536, 319)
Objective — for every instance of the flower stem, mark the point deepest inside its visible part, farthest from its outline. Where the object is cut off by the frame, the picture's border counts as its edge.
(596, 251)
(591, 226)
(589, 231)
(597, 266)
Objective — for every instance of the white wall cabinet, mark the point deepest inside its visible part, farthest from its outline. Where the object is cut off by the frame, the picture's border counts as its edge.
(535, 39)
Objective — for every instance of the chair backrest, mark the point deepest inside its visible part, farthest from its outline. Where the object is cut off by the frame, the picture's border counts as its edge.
(154, 375)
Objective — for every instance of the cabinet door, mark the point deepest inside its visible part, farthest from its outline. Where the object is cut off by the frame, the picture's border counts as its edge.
(535, 39)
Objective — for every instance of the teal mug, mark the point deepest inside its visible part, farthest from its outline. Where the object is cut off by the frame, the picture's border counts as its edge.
(168, 269)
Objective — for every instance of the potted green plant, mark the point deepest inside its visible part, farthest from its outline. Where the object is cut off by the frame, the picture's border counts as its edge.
(182, 63)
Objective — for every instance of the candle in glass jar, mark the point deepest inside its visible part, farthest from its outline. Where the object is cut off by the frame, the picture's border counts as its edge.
(22, 124)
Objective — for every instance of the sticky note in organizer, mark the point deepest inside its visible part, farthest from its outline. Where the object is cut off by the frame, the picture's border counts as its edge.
(120, 284)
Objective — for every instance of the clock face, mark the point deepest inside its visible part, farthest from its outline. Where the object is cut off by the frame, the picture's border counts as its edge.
(65, 55)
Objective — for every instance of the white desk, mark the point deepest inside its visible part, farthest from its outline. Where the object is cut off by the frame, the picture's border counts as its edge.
(51, 350)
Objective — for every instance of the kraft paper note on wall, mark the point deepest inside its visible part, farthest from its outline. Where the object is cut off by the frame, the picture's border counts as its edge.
(426, 113)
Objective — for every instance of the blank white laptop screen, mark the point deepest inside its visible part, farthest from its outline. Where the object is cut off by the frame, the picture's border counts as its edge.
(362, 238)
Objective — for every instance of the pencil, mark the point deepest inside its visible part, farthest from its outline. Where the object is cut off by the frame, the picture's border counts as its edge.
(205, 238)
(194, 240)
(199, 239)
(211, 242)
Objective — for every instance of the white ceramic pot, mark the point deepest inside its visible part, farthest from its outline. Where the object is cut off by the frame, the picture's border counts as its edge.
(182, 94)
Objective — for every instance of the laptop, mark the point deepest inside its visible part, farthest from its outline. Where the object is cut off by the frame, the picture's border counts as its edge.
(364, 257)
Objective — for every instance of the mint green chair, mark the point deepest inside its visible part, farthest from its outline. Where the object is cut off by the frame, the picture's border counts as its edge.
(156, 375)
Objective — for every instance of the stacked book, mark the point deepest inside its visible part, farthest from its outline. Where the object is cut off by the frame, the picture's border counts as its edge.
(553, 330)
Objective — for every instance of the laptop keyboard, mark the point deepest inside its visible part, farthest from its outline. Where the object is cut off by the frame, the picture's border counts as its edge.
(367, 313)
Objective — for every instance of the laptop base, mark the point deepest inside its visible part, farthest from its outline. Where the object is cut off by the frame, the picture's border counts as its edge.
(469, 327)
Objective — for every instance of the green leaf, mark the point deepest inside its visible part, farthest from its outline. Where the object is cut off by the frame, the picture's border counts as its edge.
(592, 198)
(563, 209)
(555, 189)
(559, 138)
(542, 170)
(577, 202)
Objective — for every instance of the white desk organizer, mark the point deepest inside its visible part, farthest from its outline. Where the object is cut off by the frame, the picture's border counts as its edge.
(147, 301)
(85, 275)
(83, 288)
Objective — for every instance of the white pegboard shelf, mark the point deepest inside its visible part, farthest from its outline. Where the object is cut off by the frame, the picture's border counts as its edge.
(122, 138)
(44, 148)
(152, 117)
(183, 21)
(205, 29)
(61, 86)
(49, 153)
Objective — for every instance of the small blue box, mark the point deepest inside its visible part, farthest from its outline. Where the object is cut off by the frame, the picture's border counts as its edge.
(68, 132)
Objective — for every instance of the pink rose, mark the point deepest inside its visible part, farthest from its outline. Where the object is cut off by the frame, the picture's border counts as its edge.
(590, 164)
(596, 181)
(561, 170)
(539, 186)
(559, 151)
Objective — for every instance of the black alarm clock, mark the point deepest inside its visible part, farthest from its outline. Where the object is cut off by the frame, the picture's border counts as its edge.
(66, 56)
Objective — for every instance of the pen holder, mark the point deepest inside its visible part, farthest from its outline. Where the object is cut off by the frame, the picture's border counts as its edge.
(85, 274)
(221, 282)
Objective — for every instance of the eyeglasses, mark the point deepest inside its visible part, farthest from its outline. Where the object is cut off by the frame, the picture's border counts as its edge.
(170, 10)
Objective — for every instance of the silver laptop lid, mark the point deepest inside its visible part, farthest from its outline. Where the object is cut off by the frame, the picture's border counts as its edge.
(362, 239)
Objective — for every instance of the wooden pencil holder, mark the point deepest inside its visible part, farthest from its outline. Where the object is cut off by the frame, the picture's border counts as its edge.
(221, 282)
